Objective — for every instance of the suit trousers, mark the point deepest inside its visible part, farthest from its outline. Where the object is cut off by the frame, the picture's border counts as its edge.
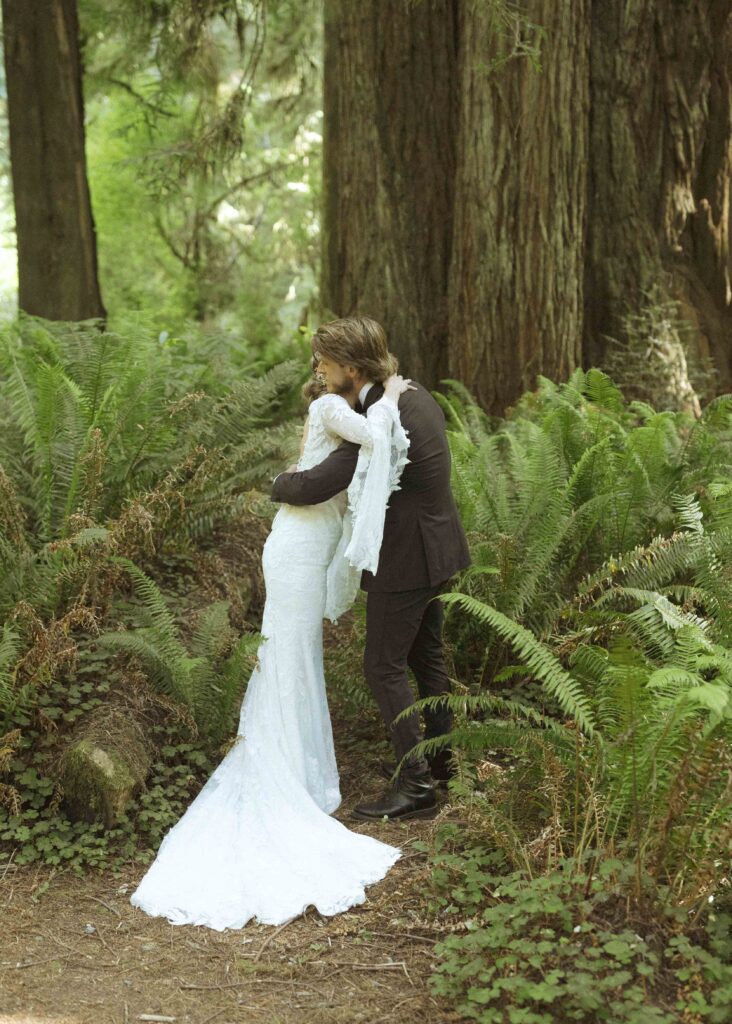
(404, 629)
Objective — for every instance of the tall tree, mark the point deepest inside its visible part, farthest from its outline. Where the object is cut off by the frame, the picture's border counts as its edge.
(501, 219)
(515, 289)
(389, 150)
(57, 257)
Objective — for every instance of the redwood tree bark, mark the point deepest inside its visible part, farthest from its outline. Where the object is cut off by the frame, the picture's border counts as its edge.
(389, 168)
(455, 196)
(515, 289)
(501, 222)
(661, 165)
(57, 260)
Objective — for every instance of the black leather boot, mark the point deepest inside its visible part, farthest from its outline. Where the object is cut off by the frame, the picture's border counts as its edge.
(411, 796)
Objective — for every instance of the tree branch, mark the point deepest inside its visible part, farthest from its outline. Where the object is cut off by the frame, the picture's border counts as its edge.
(121, 84)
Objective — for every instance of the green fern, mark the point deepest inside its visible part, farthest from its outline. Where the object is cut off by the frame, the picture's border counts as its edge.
(202, 680)
(9, 651)
(601, 535)
(559, 684)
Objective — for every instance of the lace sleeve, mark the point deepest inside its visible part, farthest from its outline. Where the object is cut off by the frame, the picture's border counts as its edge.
(378, 471)
(376, 476)
(340, 419)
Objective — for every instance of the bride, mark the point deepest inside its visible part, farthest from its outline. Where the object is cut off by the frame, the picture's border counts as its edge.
(258, 841)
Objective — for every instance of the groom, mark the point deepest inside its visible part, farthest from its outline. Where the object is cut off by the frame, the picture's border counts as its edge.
(423, 546)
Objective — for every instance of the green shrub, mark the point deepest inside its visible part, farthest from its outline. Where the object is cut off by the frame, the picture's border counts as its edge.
(567, 945)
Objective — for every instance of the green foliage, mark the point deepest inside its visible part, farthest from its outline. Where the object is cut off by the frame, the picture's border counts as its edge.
(65, 388)
(593, 631)
(537, 658)
(515, 35)
(123, 454)
(107, 448)
(33, 822)
(204, 143)
(209, 680)
(95, 418)
(572, 479)
(593, 736)
(562, 946)
(10, 699)
(41, 833)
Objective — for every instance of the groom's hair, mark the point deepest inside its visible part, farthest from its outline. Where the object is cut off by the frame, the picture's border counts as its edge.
(358, 341)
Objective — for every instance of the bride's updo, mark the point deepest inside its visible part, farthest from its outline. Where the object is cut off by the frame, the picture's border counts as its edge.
(315, 387)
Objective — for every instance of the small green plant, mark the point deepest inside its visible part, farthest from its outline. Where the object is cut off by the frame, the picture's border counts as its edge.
(568, 945)
(38, 831)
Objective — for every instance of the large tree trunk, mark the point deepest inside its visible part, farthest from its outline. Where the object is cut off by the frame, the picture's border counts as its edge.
(661, 161)
(501, 222)
(57, 260)
(455, 196)
(389, 158)
(516, 276)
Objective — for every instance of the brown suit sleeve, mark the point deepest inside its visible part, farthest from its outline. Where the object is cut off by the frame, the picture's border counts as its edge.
(311, 486)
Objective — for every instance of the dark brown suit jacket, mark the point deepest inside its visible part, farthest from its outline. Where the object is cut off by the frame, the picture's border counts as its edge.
(424, 542)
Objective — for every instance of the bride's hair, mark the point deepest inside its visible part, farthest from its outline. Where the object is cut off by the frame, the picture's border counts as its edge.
(358, 341)
(315, 387)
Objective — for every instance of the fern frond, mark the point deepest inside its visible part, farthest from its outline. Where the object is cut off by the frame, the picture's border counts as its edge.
(558, 683)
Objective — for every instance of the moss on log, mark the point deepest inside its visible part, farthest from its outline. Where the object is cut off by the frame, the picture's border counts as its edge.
(104, 765)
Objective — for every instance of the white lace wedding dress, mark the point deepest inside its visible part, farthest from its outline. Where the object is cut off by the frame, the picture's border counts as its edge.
(258, 841)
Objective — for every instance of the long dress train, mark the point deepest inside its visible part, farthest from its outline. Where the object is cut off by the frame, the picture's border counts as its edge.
(258, 841)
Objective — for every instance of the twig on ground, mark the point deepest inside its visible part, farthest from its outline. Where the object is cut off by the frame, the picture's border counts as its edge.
(217, 1013)
(397, 964)
(98, 935)
(215, 988)
(269, 938)
(327, 977)
(404, 935)
(31, 963)
(61, 942)
(7, 866)
(409, 999)
(112, 910)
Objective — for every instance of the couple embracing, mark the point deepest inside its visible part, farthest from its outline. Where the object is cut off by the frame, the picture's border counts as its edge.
(368, 504)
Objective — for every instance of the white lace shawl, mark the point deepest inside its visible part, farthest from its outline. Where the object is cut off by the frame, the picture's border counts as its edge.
(381, 459)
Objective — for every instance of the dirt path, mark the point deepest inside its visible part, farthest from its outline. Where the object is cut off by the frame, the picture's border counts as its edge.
(73, 951)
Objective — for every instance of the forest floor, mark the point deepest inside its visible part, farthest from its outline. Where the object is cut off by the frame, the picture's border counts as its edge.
(370, 964)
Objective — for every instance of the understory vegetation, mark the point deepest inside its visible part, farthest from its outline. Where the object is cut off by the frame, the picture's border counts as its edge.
(592, 643)
(209, 181)
(582, 869)
(130, 536)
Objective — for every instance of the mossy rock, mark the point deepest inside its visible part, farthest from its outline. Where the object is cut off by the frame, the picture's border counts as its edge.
(104, 766)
